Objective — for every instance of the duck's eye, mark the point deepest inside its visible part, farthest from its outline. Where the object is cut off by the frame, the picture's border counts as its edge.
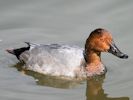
(101, 39)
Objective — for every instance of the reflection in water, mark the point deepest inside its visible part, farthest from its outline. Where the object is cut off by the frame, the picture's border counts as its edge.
(50, 81)
(95, 91)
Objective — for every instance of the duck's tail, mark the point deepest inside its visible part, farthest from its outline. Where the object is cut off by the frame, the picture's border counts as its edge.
(19, 51)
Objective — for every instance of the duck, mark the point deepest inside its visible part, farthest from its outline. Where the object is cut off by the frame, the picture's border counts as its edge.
(69, 61)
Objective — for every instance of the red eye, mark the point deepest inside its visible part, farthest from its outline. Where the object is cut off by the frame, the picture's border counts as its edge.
(101, 39)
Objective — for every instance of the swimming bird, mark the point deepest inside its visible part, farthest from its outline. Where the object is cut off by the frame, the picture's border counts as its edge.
(69, 61)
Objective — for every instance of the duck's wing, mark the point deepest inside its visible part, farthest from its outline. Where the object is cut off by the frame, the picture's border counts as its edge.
(57, 52)
(61, 53)
(54, 59)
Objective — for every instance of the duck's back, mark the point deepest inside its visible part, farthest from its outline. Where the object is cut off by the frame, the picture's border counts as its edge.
(54, 59)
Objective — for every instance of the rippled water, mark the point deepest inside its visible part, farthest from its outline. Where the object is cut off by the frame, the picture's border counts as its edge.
(67, 22)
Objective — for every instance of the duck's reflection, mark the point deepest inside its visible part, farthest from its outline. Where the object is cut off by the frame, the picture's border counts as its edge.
(95, 91)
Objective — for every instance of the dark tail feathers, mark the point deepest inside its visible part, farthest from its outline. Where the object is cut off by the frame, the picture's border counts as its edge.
(19, 51)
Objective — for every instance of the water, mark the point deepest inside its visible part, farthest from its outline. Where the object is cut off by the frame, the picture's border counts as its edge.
(67, 22)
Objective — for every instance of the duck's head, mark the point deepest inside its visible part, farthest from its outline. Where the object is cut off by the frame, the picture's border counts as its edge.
(100, 40)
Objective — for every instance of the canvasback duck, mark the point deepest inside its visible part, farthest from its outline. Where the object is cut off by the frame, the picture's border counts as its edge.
(69, 61)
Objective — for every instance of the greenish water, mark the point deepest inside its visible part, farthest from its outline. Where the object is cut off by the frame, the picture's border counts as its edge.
(66, 22)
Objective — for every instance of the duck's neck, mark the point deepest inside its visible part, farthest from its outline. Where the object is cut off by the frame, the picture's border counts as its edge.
(94, 65)
(93, 57)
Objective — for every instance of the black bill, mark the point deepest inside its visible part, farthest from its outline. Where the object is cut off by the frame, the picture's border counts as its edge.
(115, 51)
